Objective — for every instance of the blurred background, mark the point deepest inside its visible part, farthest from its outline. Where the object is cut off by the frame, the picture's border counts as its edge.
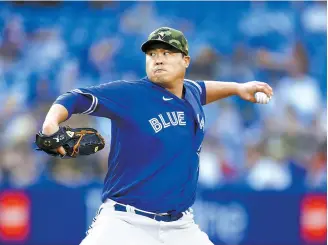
(263, 174)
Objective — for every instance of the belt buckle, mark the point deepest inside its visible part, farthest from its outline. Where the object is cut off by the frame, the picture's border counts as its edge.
(159, 215)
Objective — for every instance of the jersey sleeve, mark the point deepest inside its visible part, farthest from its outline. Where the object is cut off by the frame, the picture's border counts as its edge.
(108, 100)
(199, 86)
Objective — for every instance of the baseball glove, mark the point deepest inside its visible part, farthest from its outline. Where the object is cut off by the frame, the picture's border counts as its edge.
(75, 141)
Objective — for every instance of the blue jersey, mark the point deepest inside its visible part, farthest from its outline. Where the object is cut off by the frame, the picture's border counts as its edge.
(156, 140)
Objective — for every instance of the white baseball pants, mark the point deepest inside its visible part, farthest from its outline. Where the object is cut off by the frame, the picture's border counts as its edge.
(112, 227)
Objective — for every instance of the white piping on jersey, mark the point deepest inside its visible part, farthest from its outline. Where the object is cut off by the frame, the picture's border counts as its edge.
(94, 104)
(196, 84)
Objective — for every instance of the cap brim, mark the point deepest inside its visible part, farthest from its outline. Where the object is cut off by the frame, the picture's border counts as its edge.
(145, 46)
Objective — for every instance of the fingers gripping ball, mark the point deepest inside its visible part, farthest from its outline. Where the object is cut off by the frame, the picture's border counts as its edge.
(75, 141)
(262, 98)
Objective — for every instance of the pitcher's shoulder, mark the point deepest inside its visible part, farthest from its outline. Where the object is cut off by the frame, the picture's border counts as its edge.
(194, 85)
(122, 83)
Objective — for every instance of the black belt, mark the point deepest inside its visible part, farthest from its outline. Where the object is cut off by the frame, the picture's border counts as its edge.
(158, 217)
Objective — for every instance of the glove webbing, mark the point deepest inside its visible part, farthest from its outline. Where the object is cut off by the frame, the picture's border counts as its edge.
(77, 145)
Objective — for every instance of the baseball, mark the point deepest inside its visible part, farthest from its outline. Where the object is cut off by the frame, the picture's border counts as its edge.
(262, 98)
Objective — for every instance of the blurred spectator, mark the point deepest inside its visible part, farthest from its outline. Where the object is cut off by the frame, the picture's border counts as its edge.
(269, 171)
(68, 76)
(317, 174)
(205, 66)
(228, 128)
(298, 89)
(241, 65)
(314, 17)
(103, 4)
(45, 47)
(101, 55)
(13, 39)
(20, 166)
(216, 168)
(141, 19)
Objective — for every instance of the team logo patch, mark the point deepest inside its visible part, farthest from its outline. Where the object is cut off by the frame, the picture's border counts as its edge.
(161, 35)
(201, 122)
(70, 133)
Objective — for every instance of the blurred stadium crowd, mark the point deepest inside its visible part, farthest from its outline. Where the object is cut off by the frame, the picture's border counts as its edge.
(47, 49)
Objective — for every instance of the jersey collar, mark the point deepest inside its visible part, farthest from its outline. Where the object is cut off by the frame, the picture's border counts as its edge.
(155, 85)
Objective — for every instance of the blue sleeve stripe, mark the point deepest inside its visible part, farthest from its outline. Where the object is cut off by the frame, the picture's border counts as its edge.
(196, 84)
(94, 104)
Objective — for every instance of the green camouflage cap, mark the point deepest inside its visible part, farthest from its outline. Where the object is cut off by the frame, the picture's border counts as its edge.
(167, 35)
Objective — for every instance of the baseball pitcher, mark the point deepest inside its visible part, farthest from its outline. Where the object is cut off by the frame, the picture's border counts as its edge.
(157, 133)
